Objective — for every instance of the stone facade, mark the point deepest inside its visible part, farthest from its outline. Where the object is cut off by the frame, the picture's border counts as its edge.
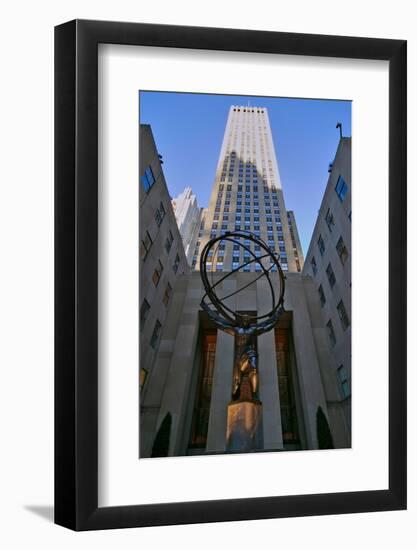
(162, 258)
(328, 265)
(173, 386)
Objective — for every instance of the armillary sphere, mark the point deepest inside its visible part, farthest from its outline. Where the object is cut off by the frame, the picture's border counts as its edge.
(222, 315)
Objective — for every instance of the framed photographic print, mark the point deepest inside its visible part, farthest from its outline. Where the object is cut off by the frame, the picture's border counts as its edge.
(230, 338)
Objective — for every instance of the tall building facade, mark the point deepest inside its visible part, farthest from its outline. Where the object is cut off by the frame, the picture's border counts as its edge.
(187, 214)
(247, 194)
(328, 263)
(162, 259)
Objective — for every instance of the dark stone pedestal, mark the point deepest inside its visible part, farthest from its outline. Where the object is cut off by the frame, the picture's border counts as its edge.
(244, 423)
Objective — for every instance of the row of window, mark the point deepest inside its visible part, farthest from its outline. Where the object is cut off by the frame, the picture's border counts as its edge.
(246, 266)
(239, 194)
(248, 210)
(254, 208)
(248, 188)
(255, 110)
(272, 224)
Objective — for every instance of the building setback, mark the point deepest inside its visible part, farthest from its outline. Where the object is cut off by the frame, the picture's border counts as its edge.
(187, 214)
(295, 241)
(328, 263)
(162, 258)
(247, 193)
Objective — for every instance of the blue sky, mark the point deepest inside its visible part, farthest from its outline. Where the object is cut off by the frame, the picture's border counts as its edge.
(189, 128)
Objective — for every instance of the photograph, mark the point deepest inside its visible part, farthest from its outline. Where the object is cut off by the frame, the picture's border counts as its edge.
(244, 274)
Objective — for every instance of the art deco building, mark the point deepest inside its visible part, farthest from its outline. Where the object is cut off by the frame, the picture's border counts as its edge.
(185, 400)
(187, 214)
(247, 194)
(328, 263)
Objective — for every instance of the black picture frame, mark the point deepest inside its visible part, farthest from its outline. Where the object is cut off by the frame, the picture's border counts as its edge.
(76, 272)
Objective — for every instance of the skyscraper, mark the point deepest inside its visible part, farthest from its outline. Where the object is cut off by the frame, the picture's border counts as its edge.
(247, 194)
(187, 213)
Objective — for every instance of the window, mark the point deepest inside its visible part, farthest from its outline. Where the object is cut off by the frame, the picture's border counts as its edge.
(313, 265)
(145, 245)
(142, 377)
(148, 179)
(321, 246)
(330, 331)
(167, 295)
(235, 265)
(330, 276)
(342, 251)
(176, 263)
(343, 381)
(162, 210)
(322, 296)
(219, 266)
(144, 310)
(169, 241)
(155, 334)
(157, 273)
(160, 214)
(330, 220)
(341, 188)
(344, 319)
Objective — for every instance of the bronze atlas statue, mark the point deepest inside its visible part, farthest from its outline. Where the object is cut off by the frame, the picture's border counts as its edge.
(244, 326)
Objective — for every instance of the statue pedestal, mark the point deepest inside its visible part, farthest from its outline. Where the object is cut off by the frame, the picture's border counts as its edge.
(244, 422)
